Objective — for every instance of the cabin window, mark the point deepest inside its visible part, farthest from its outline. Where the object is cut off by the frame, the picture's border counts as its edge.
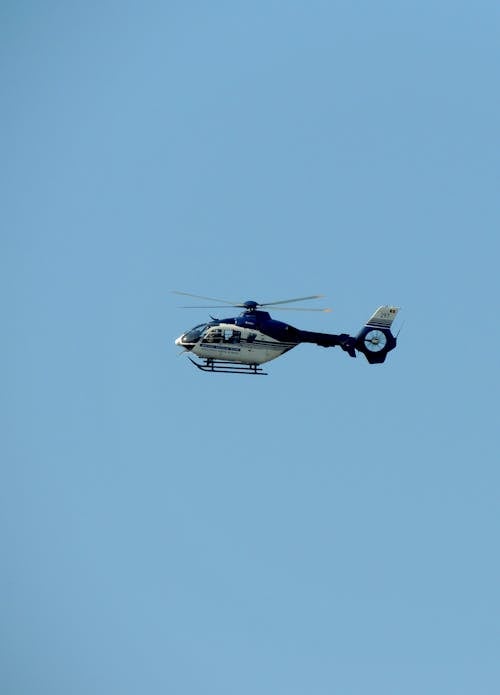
(226, 335)
(251, 337)
(231, 336)
(213, 336)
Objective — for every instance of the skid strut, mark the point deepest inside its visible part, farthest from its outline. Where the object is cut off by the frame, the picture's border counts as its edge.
(222, 366)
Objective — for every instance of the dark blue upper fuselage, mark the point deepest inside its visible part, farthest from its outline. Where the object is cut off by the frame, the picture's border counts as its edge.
(262, 321)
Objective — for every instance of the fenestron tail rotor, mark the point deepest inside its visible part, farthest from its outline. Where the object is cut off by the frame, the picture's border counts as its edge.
(252, 305)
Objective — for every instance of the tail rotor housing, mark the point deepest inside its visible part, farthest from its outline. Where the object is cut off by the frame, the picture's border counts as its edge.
(375, 340)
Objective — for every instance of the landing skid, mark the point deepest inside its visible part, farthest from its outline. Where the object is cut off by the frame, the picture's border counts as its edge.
(221, 366)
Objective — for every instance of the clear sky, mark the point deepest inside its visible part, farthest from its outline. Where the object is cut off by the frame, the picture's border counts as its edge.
(332, 528)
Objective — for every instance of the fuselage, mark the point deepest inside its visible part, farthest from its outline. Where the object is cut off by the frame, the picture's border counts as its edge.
(252, 338)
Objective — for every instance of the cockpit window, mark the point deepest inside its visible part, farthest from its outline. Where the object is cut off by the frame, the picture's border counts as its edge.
(194, 334)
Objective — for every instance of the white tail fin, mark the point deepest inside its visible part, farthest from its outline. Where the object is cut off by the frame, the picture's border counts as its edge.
(383, 317)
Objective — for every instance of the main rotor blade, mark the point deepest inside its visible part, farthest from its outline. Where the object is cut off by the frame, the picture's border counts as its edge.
(213, 306)
(241, 305)
(210, 299)
(299, 308)
(288, 301)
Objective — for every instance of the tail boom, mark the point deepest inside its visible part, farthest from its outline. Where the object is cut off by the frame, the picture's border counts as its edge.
(374, 340)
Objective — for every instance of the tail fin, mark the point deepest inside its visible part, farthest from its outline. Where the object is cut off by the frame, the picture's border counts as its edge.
(375, 339)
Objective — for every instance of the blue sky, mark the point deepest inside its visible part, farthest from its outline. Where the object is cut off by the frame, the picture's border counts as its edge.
(332, 527)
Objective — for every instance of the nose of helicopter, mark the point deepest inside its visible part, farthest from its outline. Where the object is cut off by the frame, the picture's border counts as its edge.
(180, 343)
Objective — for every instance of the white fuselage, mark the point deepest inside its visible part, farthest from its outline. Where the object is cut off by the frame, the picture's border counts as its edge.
(233, 343)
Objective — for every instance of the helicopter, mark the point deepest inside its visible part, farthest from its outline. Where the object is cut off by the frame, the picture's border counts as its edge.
(240, 345)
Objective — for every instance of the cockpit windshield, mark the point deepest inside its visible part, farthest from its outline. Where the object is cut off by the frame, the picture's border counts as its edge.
(193, 335)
